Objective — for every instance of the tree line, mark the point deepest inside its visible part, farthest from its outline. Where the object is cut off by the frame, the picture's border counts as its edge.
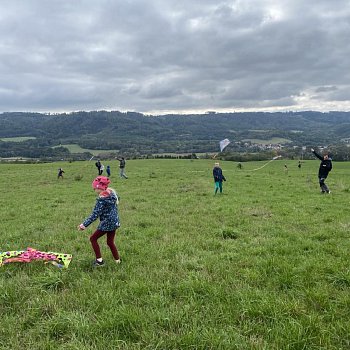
(135, 134)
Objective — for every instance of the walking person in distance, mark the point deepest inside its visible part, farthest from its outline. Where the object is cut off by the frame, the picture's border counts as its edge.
(122, 164)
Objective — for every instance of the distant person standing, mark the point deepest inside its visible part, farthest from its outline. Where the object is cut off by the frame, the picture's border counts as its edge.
(101, 169)
(218, 177)
(299, 164)
(325, 168)
(122, 164)
(108, 170)
(98, 166)
(60, 173)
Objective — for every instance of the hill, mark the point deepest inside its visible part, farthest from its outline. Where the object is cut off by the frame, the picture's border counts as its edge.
(137, 134)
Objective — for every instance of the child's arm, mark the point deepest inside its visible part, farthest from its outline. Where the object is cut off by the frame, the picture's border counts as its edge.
(94, 216)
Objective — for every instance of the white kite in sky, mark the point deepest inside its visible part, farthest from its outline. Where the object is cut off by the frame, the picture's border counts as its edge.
(224, 143)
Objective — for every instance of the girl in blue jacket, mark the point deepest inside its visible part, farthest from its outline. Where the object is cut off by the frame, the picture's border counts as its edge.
(107, 211)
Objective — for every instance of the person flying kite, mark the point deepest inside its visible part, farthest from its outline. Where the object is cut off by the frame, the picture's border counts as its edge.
(325, 168)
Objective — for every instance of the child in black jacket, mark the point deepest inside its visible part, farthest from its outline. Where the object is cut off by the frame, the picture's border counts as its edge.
(218, 177)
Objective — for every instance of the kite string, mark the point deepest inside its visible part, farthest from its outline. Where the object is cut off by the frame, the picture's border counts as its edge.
(274, 158)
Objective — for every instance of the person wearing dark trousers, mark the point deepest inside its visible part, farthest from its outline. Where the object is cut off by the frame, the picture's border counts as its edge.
(60, 173)
(122, 163)
(325, 168)
(106, 209)
(98, 166)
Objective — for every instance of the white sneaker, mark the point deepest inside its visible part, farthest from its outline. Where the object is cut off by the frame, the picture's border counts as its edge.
(118, 261)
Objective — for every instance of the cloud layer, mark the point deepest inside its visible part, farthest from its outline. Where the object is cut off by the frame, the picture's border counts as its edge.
(156, 56)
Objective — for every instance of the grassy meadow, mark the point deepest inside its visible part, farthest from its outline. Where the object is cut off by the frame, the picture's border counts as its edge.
(265, 265)
(74, 148)
(17, 139)
(273, 140)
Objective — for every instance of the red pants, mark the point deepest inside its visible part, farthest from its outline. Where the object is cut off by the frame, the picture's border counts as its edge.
(110, 242)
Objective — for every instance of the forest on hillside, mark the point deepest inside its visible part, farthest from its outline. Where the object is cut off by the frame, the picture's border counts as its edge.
(134, 134)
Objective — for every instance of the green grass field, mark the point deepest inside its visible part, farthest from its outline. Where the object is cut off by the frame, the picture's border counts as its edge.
(263, 266)
(273, 140)
(74, 148)
(17, 139)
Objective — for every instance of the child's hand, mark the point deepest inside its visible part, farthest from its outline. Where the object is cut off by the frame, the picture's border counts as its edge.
(81, 227)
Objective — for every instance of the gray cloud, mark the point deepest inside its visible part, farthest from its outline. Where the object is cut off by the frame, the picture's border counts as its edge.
(158, 56)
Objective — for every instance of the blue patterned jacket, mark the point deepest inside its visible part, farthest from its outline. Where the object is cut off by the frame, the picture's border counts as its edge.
(106, 209)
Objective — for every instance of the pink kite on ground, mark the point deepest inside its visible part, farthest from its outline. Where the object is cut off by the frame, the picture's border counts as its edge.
(57, 259)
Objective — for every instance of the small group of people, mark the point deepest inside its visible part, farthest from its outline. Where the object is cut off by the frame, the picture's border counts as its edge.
(100, 168)
(324, 169)
(106, 207)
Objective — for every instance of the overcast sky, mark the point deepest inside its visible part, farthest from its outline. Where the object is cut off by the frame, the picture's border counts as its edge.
(162, 56)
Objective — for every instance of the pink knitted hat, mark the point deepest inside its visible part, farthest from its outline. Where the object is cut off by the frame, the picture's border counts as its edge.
(101, 183)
